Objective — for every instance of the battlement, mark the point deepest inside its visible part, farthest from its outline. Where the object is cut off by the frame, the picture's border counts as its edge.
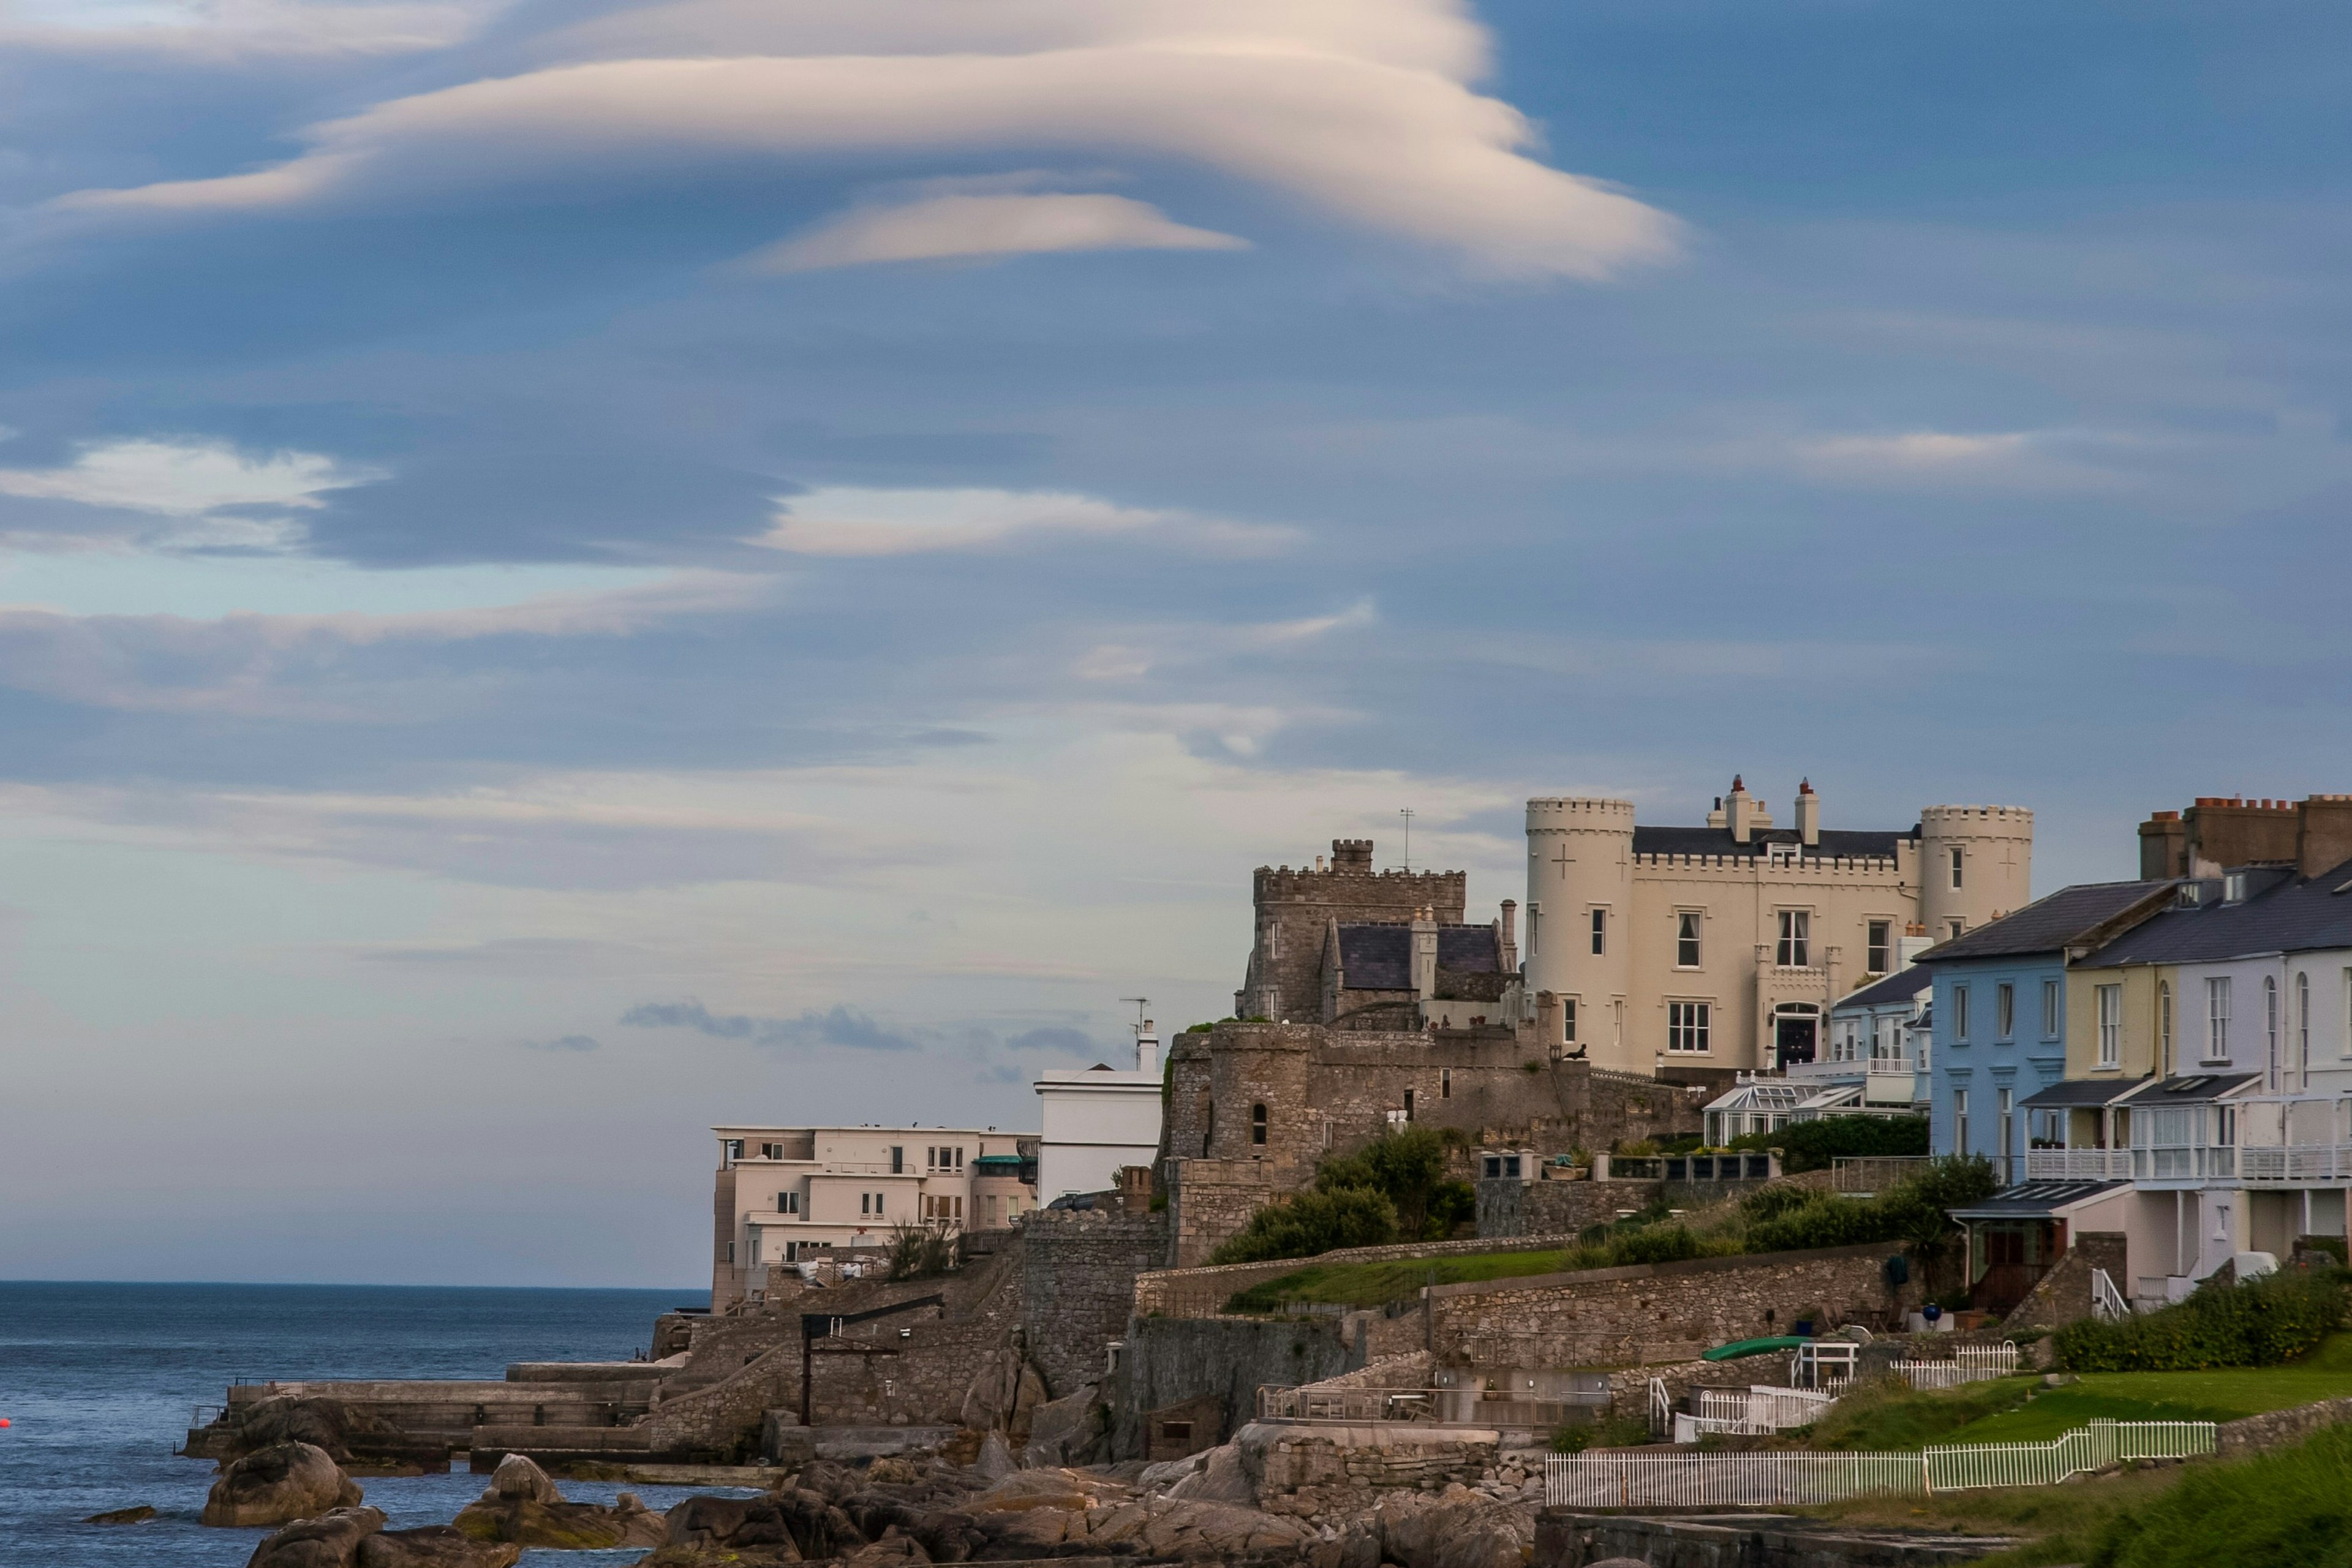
(2235, 803)
(1746, 865)
(1963, 817)
(1565, 811)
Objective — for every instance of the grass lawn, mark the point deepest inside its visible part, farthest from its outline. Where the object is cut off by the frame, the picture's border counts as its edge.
(1371, 1284)
(2222, 1394)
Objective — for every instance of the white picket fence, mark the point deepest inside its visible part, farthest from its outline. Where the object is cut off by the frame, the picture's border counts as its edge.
(1969, 1363)
(1783, 1480)
(1753, 1411)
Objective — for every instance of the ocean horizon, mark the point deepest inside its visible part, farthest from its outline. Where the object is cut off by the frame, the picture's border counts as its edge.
(99, 1381)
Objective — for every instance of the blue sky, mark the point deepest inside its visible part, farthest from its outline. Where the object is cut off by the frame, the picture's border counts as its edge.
(568, 573)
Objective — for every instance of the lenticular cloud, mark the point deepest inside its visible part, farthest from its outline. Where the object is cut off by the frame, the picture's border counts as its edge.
(1358, 110)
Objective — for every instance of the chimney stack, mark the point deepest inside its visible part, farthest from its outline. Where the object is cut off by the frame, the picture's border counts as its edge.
(1147, 1048)
(1510, 936)
(1809, 814)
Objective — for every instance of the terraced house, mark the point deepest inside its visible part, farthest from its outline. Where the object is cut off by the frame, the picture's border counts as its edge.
(2205, 1109)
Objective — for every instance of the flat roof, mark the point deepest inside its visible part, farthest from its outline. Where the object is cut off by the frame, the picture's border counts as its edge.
(2036, 1200)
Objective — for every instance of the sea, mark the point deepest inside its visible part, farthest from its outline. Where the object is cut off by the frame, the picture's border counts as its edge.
(99, 1384)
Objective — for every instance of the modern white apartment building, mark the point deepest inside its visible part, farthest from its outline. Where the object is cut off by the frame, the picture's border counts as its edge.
(786, 1195)
(1098, 1119)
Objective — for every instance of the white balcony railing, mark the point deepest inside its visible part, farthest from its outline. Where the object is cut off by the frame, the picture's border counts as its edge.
(2077, 1164)
(2291, 1164)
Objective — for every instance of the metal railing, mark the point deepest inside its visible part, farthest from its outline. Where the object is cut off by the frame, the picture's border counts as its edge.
(2077, 1164)
(1758, 1410)
(1874, 1173)
(2107, 1303)
(1347, 1404)
(1766, 1480)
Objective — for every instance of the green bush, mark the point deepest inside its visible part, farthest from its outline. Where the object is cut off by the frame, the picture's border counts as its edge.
(1311, 1223)
(1913, 1212)
(2258, 1322)
(920, 1252)
(1408, 1168)
(1812, 1145)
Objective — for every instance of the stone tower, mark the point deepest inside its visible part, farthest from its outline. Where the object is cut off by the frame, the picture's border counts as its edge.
(1293, 907)
(1975, 862)
(1579, 918)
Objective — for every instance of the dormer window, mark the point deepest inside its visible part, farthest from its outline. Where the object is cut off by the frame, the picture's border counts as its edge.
(2234, 887)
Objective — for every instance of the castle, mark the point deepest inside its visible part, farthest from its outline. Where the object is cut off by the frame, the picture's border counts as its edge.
(1649, 948)
(1659, 962)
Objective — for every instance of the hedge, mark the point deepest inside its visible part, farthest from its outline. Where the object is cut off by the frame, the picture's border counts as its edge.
(2258, 1322)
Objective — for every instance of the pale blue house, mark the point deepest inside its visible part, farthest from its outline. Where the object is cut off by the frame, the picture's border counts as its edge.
(1999, 1013)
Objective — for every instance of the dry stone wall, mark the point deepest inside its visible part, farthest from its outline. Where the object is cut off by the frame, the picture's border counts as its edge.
(1654, 1312)
(1320, 1470)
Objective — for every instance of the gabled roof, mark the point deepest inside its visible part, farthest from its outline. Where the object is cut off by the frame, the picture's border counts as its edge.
(1834, 841)
(2086, 912)
(1903, 985)
(2281, 913)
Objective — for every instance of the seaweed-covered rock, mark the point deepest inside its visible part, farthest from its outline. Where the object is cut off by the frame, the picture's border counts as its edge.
(433, 1546)
(794, 1518)
(276, 1485)
(138, 1513)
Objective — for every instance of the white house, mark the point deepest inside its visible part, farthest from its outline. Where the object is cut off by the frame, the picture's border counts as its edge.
(1098, 1119)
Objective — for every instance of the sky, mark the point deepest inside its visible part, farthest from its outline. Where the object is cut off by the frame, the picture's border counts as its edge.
(573, 571)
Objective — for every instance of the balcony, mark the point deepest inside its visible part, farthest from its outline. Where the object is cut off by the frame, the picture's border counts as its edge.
(2294, 1164)
(2078, 1164)
(2291, 1164)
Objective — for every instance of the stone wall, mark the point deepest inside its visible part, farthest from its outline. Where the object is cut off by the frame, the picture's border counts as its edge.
(1565, 1539)
(1171, 1362)
(1320, 1470)
(2277, 1429)
(1202, 1292)
(1655, 1312)
(1078, 1270)
(2062, 1295)
(1327, 1092)
(1209, 1201)
(1509, 1207)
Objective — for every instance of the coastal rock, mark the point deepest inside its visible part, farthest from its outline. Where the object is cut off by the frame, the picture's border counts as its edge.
(895, 1552)
(326, 1424)
(1460, 1529)
(1220, 1477)
(282, 1482)
(520, 1478)
(433, 1546)
(1192, 1531)
(1008, 1388)
(995, 1461)
(1068, 1431)
(794, 1518)
(138, 1513)
(573, 1526)
(330, 1540)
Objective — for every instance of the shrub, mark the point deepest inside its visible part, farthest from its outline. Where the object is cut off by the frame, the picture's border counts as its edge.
(918, 1252)
(1312, 1223)
(2258, 1322)
(1408, 1168)
(1812, 1145)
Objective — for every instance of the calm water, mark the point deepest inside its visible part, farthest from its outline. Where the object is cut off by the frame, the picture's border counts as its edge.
(97, 1381)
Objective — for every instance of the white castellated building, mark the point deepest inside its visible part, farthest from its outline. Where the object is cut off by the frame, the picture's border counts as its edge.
(1725, 946)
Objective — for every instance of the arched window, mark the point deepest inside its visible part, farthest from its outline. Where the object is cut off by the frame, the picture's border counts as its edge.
(2163, 1028)
(1257, 1123)
(2302, 1029)
(2270, 1030)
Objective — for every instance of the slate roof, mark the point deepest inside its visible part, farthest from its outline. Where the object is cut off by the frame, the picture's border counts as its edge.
(2047, 925)
(2281, 913)
(1903, 985)
(2035, 1200)
(1378, 957)
(2081, 1091)
(1719, 841)
(2194, 1086)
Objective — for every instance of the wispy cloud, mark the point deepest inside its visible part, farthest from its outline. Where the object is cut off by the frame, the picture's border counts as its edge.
(973, 226)
(1365, 112)
(565, 1043)
(847, 521)
(218, 494)
(223, 31)
(840, 1026)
